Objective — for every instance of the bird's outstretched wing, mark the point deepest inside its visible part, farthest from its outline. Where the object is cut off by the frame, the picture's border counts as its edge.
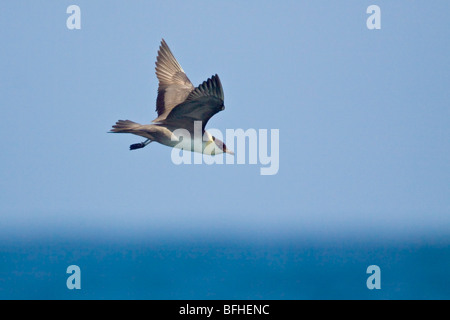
(174, 86)
(201, 104)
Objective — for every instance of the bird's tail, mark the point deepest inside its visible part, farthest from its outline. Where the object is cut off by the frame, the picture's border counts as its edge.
(125, 126)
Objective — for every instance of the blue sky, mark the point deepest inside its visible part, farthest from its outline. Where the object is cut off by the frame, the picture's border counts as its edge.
(363, 117)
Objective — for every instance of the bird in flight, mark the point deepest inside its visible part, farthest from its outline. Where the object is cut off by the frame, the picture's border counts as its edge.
(183, 110)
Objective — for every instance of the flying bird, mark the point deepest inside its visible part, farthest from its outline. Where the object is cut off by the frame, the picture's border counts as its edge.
(180, 105)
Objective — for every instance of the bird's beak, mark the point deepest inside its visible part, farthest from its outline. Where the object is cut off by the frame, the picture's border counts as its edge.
(230, 152)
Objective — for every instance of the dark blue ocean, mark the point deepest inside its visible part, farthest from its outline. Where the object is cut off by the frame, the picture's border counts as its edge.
(204, 268)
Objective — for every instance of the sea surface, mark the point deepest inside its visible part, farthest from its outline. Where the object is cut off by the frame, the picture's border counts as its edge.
(208, 268)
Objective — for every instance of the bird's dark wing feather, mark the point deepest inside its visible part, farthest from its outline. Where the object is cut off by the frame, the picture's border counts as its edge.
(202, 103)
(174, 86)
